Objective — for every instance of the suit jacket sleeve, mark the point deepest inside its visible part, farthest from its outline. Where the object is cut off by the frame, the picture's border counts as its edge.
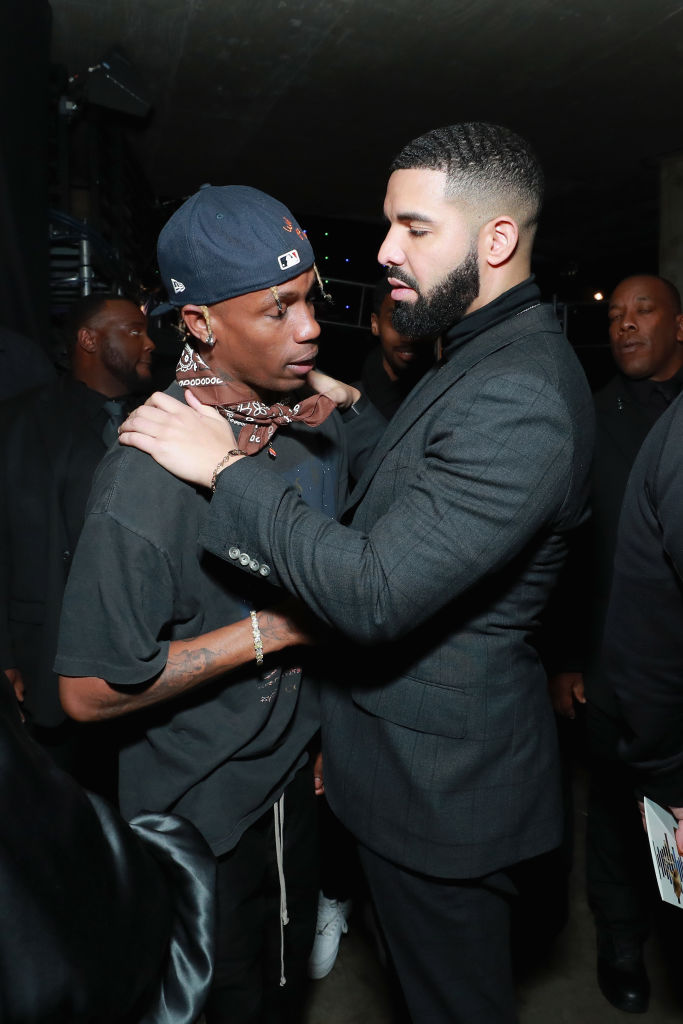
(493, 469)
(643, 649)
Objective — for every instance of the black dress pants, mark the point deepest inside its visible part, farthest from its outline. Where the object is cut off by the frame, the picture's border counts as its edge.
(246, 987)
(449, 940)
(618, 869)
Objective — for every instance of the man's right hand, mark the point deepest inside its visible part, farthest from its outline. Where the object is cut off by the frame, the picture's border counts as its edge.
(565, 688)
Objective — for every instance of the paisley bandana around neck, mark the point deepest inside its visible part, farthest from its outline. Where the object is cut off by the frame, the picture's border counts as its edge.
(239, 404)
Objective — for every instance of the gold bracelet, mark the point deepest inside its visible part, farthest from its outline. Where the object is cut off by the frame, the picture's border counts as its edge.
(228, 455)
(258, 642)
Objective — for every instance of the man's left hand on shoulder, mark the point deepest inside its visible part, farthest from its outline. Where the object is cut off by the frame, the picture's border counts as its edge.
(192, 440)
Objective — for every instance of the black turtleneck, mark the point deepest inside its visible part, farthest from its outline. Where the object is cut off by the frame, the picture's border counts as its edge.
(522, 296)
(654, 396)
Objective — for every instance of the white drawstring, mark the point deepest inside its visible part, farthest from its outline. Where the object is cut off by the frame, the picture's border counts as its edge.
(279, 812)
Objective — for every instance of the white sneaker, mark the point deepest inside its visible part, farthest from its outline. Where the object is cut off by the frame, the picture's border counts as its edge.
(331, 925)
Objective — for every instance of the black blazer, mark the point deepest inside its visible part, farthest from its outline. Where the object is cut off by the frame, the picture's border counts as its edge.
(437, 729)
(643, 643)
(50, 446)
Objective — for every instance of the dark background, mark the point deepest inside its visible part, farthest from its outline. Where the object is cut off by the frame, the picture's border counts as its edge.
(309, 100)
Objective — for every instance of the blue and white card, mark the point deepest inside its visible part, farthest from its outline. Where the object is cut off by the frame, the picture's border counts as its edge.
(668, 862)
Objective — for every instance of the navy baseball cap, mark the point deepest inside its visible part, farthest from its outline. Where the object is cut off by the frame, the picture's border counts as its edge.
(228, 240)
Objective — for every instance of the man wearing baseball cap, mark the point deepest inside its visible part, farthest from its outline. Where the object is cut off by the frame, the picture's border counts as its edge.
(156, 628)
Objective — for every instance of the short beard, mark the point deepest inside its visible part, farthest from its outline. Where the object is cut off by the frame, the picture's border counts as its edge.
(444, 306)
(123, 371)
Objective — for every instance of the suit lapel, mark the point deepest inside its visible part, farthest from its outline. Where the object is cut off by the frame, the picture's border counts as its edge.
(440, 378)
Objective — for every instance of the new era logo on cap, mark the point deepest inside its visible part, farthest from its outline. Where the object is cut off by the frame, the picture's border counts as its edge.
(178, 286)
(289, 259)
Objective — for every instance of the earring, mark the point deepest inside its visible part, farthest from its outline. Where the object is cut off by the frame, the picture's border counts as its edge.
(209, 339)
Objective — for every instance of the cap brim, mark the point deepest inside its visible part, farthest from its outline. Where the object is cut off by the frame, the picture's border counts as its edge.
(165, 307)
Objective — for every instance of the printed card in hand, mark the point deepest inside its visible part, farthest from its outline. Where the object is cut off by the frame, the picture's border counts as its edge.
(661, 828)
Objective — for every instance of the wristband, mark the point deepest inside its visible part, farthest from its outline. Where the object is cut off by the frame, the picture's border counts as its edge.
(258, 642)
(228, 455)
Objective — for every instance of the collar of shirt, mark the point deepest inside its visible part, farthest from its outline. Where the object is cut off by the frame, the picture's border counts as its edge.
(511, 302)
(645, 392)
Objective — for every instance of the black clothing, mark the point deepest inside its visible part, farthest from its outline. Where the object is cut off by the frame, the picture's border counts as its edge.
(447, 933)
(89, 905)
(618, 867)
(248, 892)
(616, 848)
(384, 393)
(223, 753)
(643, 643)
(438, 732)
(624, 416)
(25, 364)
(50, 445)
(523, 296)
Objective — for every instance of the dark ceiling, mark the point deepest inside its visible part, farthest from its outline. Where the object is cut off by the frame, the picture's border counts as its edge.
(309, 99)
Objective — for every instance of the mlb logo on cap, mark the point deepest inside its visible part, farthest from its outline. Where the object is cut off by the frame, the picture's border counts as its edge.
(289, 259)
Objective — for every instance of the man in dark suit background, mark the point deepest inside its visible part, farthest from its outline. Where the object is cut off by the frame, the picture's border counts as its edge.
(646, 338)
(643, 641)
(437, 730)
(52, 440)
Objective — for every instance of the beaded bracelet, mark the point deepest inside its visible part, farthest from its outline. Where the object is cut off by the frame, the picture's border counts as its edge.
(258, 642)
(228, 455)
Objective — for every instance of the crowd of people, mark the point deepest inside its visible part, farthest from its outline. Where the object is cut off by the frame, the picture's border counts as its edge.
(294, 631)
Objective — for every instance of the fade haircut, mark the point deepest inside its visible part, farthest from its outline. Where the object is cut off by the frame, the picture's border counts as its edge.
(489, 168)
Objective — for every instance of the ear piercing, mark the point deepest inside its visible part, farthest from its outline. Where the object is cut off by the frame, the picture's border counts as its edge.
(209, 339)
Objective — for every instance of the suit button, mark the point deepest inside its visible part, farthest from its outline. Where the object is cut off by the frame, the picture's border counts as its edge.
(244, 558)
(66, 555)
(265, 570)
(234, 552)
(254, 565)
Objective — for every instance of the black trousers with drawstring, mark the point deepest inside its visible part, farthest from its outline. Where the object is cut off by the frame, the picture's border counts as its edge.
(246, 987)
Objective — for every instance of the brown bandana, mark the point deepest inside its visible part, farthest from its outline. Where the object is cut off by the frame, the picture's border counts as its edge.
(239, 404)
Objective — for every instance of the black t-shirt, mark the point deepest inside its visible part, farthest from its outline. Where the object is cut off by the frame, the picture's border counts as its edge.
(222, 753)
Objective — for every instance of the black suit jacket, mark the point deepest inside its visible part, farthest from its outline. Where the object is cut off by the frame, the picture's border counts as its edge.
(51, 443)
(621, 426)
(643, 643)
(439, 738)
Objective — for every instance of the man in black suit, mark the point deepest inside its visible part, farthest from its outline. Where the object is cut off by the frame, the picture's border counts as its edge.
(52, 440)
(646, 337)
(643, 641)
(437, 729)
